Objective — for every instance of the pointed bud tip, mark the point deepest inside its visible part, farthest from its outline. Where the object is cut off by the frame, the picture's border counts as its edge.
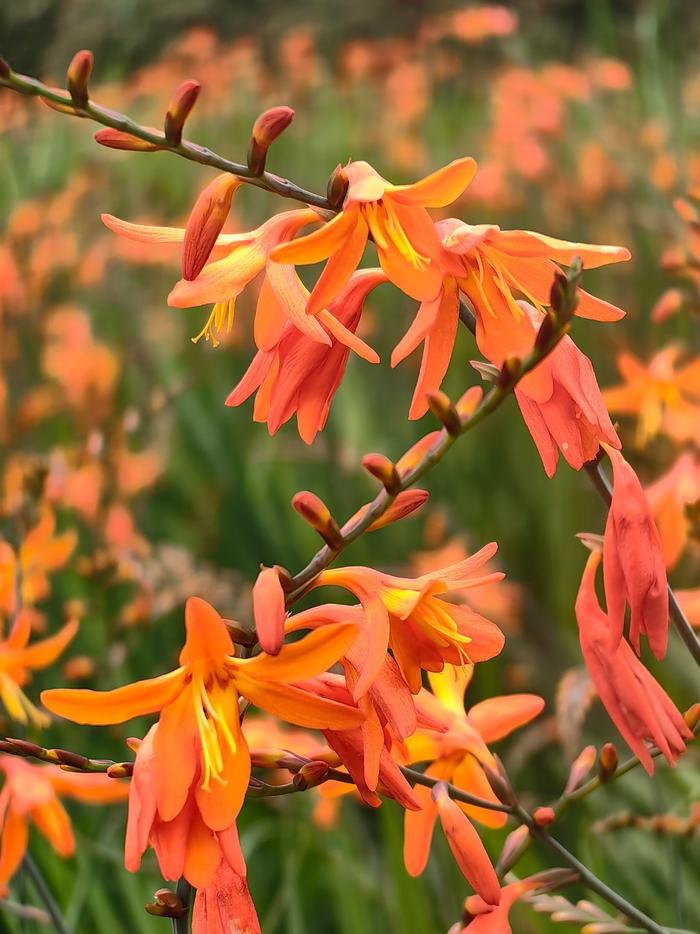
(206, 222)
(78, 75)
(382, 469)
(441, 407)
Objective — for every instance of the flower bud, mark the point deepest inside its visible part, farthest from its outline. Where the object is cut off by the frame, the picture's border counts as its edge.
(441, 407)
(338, 185)
(166, 904)
(546, 332)
(311, 774)
(563, 296)
(510, 371)
(22, 747)
(268, 126)
(269, 610)
(179, 110)
(78, 75)
(692, 716)
(314, 511)
(121, 770)
(116, 139)
(406, 503)
(515, 839)
(607, 762)
(383, 470)
(580, 768)
(205, 222)
(543, 817)
(468, 402)
(5, 70)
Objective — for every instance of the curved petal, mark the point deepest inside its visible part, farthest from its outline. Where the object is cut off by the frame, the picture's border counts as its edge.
(340, 266)
(43, 653)
(300, 707)
(319, 244)
(104, 707)
(143, 233)
(302, 659)
(496, 717)
(440, 188)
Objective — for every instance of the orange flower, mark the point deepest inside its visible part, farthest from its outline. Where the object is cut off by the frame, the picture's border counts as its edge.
(31, 792)
(668, 499)
(296, 373)
(633, 564)
(188, 812)
(457, 754)
(225, 905)
(407, 244)
(636, 703)
(24, 577)
(663, 397)
(573, 419)
(495, 265)
(245, 255)
(18, 659)
(493, 919)
(409, 616)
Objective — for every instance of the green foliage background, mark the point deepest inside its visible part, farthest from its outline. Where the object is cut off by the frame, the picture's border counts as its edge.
(226, 492)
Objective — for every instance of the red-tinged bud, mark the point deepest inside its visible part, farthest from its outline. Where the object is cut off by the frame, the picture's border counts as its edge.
(580, 768)
(466, 846)
(116, 139)
(383, 470)
(543, 817)
(268, 126)
(311, 774)
(78, 75)
(546, 332)
(338, 185)
(205, 223)
(607, 763)
(441, 407)
(563, 296)
(269, 611)
(468, 402)
(121, 770)
(166, 904)
(314, 511)
(71, 759)
(5, 70)
(179, 110)
(692, 716)
(499, 782)
(22, 747)
(406, 503)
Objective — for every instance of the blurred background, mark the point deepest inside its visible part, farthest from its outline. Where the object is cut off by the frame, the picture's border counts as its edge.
(584, 118)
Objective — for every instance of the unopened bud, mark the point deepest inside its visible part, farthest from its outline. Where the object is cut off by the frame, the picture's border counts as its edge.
(383, 470)
(563, 296)
(5, 70)
(543, 817)
(512, 844)
(116, 139)
(468, 402)
(78, 75)
(406, 503)
(580, 767)
(314, 511)
(607, 762)
(70, 759)
(692, 716)
(510, 373)
(205, 222)
(22, 747)
(441, 407)
(311, 774)
(338, 185)
(179, 110)
(547, 329)
(268, 126)
(166, 904)
(499, 782)
(121, 770)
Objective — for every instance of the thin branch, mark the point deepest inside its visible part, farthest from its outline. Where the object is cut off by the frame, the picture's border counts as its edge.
(44, 893)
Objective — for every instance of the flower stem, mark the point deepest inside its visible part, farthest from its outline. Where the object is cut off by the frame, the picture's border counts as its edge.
(185, 891)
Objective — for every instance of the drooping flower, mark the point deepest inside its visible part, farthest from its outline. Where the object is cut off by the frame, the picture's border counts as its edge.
(664, 396)
(187, 813)
(225, 906)
(458, 752)
(31, 793)
(410, 616)
(573, 419)
(220, 282)
(18, 659)
(407, 244)
(636, 703)
(493, 919)
(294, 373)
(633, 564)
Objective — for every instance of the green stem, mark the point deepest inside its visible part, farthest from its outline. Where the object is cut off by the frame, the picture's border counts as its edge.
(44, 893)
(186, 893)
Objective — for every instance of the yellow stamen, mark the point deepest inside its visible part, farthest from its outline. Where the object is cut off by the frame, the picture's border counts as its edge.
(220, 322)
